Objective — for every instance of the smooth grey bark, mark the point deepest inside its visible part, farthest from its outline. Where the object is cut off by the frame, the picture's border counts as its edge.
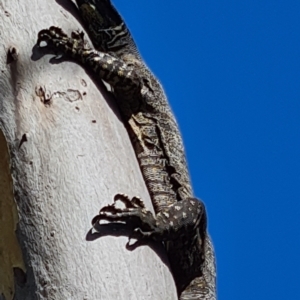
(64, 153)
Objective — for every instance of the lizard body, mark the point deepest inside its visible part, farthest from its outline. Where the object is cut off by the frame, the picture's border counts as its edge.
(180, 220)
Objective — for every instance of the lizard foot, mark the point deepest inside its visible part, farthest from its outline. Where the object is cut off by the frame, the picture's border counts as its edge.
(134, 211)
(56, 38)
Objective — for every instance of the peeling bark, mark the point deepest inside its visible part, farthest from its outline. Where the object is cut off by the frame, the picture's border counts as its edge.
(64, 153)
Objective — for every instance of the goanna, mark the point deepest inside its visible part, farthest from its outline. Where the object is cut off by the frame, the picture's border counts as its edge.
(180, 220)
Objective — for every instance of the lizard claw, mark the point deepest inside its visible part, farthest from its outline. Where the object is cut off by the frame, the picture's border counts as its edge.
(78, 35)
(135, 202)
(138, 234)
(104, 211)
(109, 208)
(50, 35)
(95, 220)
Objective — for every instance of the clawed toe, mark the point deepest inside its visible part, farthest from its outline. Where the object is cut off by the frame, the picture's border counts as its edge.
(137, 234)
(135, 202)
(109, 208)
(78, 35)
(95, 220)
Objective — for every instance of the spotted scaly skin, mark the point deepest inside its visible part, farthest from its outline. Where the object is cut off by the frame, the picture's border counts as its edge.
(180, 220)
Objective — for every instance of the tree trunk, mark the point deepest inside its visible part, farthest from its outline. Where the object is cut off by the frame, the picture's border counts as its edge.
(64, 153)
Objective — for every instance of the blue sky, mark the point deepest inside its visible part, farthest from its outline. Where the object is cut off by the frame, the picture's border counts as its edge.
(231, 70)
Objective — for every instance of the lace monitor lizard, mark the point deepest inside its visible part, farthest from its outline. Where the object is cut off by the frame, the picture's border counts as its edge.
(180, 221)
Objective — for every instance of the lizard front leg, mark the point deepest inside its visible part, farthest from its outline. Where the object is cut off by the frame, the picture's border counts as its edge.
(183, 217)
(112, 70)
